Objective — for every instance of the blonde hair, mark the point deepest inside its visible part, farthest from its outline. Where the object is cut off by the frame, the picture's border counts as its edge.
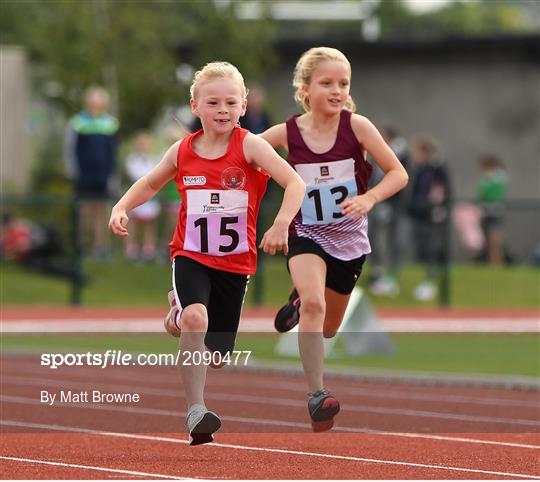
(305, 67)
(216, 70)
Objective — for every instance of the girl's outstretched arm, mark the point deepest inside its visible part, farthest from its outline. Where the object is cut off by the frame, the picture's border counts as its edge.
(276, 136)
(143, 190)
(395, 177)
(261, 154)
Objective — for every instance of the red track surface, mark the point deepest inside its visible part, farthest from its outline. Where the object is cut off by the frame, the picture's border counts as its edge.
(423, 432)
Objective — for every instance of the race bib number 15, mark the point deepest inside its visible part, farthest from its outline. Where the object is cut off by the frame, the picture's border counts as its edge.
(216, 222)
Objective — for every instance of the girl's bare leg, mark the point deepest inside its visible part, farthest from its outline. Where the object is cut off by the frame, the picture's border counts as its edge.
(308, 273)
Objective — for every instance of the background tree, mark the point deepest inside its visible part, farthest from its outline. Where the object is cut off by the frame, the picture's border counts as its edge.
(131, 47)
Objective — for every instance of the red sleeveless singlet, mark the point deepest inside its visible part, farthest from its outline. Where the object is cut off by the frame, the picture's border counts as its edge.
(220, 204)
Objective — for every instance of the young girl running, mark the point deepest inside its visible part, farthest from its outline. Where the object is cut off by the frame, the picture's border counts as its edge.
(220, 172)
(328, 240)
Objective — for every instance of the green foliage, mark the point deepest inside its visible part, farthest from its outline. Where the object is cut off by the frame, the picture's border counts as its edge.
(457, 18)
(131, 47)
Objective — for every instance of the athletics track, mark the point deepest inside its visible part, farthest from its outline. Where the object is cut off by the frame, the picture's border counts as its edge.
(385, 430)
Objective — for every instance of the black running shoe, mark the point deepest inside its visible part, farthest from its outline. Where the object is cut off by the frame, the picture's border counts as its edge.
(323, 407)
(289, 315)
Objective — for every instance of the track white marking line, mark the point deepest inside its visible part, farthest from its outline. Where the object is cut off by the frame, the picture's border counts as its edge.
(293, 402)
(274, 450)
(284, 385)
(282, 423)
(90, 467)
(521, 324)
(286, 402)
(167, 392)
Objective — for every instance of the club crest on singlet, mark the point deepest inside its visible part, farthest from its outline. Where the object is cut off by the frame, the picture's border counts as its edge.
(233, 178)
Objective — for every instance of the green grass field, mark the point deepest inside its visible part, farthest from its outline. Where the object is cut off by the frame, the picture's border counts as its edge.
(121, 283)
(472, 354)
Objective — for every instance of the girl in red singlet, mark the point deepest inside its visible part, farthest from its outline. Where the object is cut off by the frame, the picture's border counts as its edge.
(328, 239)
(221, 175)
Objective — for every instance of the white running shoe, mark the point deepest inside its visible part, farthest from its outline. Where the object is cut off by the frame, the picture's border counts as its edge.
(201, 425)
(172, 319)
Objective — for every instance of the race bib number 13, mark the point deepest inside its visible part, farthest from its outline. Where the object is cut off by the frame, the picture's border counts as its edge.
(216, 222)
(327, 186)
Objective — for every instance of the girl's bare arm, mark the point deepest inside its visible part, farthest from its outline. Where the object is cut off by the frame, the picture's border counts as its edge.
(261, 154)
(143, 190)
(276, 136)
(395, 177)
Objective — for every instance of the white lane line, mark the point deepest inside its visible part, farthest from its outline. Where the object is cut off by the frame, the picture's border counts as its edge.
(274, 450)
(523, 324)
(284, 385)
(90, 467)
(258, 421)
(163, 392)
(353, 408)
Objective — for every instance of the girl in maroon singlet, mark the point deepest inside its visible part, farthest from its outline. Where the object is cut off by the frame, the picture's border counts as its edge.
(328, 239)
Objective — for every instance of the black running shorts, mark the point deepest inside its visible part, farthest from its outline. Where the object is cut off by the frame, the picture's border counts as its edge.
(341, 275)
(221, 292)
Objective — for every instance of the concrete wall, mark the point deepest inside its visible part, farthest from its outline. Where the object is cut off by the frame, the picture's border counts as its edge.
(14, 100)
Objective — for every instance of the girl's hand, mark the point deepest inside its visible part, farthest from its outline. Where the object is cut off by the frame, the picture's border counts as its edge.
(118, 222)
(357, 206)
(276, 239)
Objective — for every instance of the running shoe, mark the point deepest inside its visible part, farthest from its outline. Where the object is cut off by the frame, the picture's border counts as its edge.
(201, 425)
(289, 315)
(172, 319)
(322, 407)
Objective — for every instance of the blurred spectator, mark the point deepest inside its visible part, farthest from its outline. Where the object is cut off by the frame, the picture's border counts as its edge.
(90, 155)
(467, 218)
(33, 246)
(256, 119)
(388, 225)
(143, 218)
(428, 208)
(491, 197)
(168, 195)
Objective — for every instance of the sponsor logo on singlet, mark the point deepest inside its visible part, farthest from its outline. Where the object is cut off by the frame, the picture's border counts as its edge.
(194, 180)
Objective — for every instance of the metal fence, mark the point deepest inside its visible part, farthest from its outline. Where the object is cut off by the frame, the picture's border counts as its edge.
(521, 227)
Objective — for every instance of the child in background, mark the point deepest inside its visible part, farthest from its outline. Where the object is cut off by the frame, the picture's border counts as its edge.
(328, 240)
(491, 197)
(169, 197)
(139, 163)
(388, 226)
(221, 172)
(430, 192)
